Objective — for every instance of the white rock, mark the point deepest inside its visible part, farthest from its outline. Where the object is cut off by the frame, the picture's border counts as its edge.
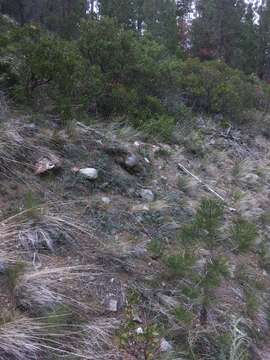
(251, 179)
(3, 266)
(147, 195)
(165, 346)
(106, 200)
(137, 319)
(147, 160)
(90, 173)
(131, 161)
(112, 305)
(140, 207)
(139, 331)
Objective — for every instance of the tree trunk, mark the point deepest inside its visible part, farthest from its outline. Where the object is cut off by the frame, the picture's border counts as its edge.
(92, 6)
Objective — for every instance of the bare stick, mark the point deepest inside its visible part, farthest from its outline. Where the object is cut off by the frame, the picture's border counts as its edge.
(183, 168)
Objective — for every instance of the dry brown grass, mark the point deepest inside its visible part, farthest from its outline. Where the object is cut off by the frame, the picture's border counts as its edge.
(49, 287)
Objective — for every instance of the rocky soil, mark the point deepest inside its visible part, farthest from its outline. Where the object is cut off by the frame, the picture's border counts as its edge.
(89, 216)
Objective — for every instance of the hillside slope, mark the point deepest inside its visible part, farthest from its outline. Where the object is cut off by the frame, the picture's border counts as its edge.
(142, 262)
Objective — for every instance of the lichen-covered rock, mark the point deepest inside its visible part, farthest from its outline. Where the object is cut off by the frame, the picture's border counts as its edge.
(165, 346)
(147, 195)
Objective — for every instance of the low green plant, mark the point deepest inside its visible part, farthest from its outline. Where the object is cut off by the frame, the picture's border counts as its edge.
(216, 270)
(192, 292)
(13, 273)
(194, 143)
(252, 303)
(156, 248)
(143, 338)
(159, 126)
(206, 224)
(31, 204)
(182, 315)
(243, 234)
(209, 216)
(61, 315)
(179, 265)
(182, 183)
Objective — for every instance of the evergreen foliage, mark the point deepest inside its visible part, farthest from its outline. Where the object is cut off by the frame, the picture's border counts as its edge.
(129, 59)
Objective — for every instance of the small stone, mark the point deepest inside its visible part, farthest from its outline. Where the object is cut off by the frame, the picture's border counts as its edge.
(90, 173)
(232, 270)
(156, 148)
(147, 160)
(46, 164)
(200, 265)
(140, 207)
(112, 305)
(251, 179)
(165, 346)
(139, 331)
(137, 319)
(106, 200)
(131, 161)
(147, 195)
(3, 266)
(204, 252)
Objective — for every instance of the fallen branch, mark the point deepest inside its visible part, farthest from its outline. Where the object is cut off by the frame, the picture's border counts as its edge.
(183, 168)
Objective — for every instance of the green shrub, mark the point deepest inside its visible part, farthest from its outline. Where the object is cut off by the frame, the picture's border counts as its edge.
(183, 315)
(117, 72)
(243, 234)
(209, 216)
(13, 273)
(156, 248)
(133, 70)
(216, 88)
(252, 302)
(62, 315)
(38, 60)
(161, 127)
(120, 100)
(192, 292)
(180, 264)
(205, 225)
(216, 270)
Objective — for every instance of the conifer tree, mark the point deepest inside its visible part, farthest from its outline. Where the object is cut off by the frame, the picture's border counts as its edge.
(264, 40)
(217, 28)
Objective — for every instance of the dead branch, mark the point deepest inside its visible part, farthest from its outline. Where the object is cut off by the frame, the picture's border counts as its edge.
(183, 168)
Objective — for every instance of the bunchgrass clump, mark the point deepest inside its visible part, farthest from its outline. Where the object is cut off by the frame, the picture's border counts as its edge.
(161, 127)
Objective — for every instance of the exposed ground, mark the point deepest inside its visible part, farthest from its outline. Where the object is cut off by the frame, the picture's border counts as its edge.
(86, 266)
